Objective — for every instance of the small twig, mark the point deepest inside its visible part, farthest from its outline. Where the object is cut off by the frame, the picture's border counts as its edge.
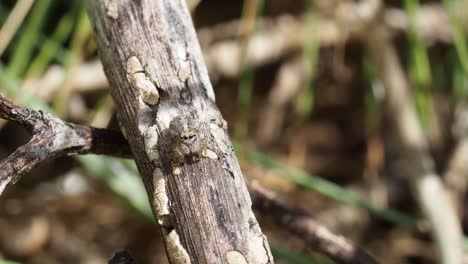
(53, 138)
(314, 234)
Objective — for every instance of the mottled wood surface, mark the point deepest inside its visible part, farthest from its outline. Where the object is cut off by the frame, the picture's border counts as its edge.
(153, 62)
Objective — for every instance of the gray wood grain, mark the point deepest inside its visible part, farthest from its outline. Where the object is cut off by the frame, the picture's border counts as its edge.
(153, 62)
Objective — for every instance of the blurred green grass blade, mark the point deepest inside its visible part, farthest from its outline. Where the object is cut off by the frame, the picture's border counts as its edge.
(9, 262)
(293, 257)
(7, 84)
(61, 54)
(29, 37)
(305, 101)
(422, 101)
(460, 46)
(121, 180)
(246, 81)
(441, 76)
(373, 93)
(460, 83)
(458, 33)
(420, 69)
(244, 99)
(52, 45)
(329, 189)
(11, 86)
(130, 165)
(82, 32)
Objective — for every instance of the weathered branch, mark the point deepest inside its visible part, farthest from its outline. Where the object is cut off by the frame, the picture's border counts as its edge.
(166, 108)
(302, 225)
(52, 138)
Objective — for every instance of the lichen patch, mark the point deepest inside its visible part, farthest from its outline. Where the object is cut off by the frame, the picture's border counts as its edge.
(112, 8)
(235, 257)
(160, 199)
(176, 252)
(184, 70)
(208, 153)
(219, 137)
(141, 82)
(259, 251)
(151, 140)
(176, 171)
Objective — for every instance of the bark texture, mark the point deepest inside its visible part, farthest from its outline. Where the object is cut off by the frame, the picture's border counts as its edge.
(179, 140)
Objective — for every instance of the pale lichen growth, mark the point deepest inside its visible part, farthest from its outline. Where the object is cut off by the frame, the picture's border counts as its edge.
(176, 171)
(160, 199)
(184, 71)
(112, 8)
(151, 139)
(257, 243)
(220, 137)
(208, 153)
(257, 249)
(141, 82)
(184, 67)
(176, 252)
(235, 257)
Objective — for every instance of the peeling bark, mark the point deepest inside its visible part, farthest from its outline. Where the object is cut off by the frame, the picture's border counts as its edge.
(165, 100)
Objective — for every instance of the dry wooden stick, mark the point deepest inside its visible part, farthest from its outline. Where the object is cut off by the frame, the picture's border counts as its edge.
(302, 225)
(52, 138)
(165, 106)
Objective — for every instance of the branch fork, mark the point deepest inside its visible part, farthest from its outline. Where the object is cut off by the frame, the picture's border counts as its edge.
(51, 138)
